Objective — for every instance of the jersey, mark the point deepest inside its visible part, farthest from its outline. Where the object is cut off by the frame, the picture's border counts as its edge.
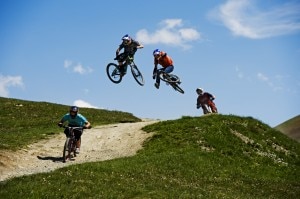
(131, 48)
(164, 60)
(204, 98)
(79, 120)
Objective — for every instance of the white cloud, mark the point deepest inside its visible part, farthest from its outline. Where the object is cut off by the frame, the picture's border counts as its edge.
(239, 73)
(81, 103)
(77, 68)
(67, 63)
(262, 77)
(8, 81)
(170, 33)
(267, 80)
(244, 18)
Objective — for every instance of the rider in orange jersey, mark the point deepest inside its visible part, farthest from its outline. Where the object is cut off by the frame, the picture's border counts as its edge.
(165, 61)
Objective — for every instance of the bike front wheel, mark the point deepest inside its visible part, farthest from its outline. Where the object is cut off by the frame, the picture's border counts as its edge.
(137, 75)
(113, 73)
(66, 151)
(177, 87)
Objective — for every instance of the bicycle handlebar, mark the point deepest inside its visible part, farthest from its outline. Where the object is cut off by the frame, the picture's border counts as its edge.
(74, 127)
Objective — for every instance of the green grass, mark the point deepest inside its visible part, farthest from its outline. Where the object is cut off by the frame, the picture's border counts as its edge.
(216, 156)
(24, 122)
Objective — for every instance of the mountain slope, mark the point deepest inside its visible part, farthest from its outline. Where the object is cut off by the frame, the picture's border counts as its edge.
(291, 128)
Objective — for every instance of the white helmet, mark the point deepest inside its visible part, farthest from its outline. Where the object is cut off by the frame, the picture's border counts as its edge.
(126, 39)
(199, 91)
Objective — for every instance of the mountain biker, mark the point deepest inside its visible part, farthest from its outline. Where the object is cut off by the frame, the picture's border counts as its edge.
(130, 46)
(165, 61)
(75, 119)
(205, 98)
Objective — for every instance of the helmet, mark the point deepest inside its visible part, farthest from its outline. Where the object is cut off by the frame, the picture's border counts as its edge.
(156, 52)
(126, 39)
(199, 91)
(73, 111)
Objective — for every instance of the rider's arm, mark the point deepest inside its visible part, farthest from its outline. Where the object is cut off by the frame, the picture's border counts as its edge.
(87, 124)
(140, 46)
(211, 97)
(63, 119)
(119, 49)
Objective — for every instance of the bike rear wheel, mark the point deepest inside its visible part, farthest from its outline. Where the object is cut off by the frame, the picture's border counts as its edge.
(177, 87)
(169, 78)
(113, 73)
(137, 75)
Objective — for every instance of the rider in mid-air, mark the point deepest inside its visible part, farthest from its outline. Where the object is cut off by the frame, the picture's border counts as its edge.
(165, 61)
(75, 119)
(130, 47)
(205, 99)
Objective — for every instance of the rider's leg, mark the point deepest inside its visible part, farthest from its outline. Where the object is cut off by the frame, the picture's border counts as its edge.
(205, 108)
(212, 107)
(157, 82)
(169, 69)
(66, 131)
(78, 139)
(122, 64)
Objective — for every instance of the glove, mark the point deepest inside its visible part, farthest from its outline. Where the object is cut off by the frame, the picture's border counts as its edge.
(60, 124)
(154, 75)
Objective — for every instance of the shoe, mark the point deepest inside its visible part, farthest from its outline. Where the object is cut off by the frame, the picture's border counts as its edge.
(77, 150)
(156, 85)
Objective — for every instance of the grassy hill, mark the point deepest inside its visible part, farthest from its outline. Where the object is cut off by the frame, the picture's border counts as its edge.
(291, 128)
(24, 122)
(215, 156)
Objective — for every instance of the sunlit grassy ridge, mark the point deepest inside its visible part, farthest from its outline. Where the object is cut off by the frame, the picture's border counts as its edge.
(23, 122)
(215, 156)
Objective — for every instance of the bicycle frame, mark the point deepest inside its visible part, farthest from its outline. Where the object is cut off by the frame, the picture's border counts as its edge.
(114, 73)
(70, 143)
(170, 79)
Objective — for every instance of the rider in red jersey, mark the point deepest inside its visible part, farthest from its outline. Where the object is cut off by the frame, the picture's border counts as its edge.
(206, 99)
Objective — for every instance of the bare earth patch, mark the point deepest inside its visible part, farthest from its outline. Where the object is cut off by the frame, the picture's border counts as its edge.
(98, 144)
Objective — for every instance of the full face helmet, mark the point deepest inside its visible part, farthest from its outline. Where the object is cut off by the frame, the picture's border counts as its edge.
(73, 111)
(156, 52)
(199, 91)
(126, 39)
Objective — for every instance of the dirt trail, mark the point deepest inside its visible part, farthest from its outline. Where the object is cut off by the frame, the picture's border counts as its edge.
(98, 144)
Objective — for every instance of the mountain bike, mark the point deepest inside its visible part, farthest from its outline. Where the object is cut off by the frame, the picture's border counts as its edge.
(69, 150)
(115, 74)
(172, 80)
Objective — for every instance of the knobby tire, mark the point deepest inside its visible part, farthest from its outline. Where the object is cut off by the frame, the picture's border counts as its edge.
(177, 88)
(137, 75)
(169, 78)
(113, 73)
(66, 151)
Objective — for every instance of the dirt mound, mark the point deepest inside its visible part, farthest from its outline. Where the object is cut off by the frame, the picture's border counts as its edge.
(98, 144)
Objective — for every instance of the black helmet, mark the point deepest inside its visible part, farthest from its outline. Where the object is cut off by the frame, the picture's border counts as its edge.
(74, 109)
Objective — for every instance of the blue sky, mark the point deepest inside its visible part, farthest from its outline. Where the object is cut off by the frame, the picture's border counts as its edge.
(245, 52)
